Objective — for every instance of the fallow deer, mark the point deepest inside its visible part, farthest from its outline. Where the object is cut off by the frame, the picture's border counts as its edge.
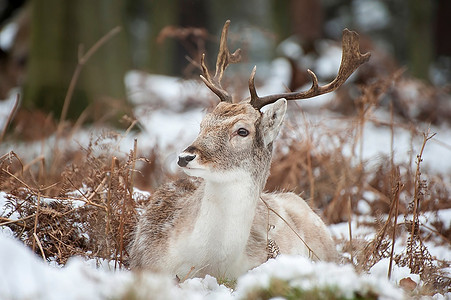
(219, 221)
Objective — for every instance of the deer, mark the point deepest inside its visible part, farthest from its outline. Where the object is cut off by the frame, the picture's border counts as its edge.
(218, 220)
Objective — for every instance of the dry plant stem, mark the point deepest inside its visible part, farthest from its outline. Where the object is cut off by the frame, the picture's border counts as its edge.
(86, 199)
(11, 154)
(108, 199)
(39, 245)
(125, 134)
(187, 275)
(80, 120)
(350, 228)
(82, 59)
(10, 118)
(309, 164)
(36, 219)
(381, 233)
(8, 221)
(362, 120)
(417, 182)
(434, 230)
(21, 181)
(98, 189)
(132, 171)
(311, 252)
(311, 178)
(398, 189)
(129, 186)
(392, 137)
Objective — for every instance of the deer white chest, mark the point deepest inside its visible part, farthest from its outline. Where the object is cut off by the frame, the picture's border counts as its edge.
(218, 241)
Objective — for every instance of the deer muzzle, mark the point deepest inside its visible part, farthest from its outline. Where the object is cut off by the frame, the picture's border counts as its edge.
(184, 159)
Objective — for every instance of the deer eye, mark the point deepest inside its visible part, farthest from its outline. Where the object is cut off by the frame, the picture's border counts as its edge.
(242, 132)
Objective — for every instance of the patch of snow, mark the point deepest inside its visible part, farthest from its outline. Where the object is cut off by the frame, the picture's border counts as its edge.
(380, 269)
(6, 107)
(370, 14)
(290, 48)
(163, 91)
(363, 207)
(7, 35)
(329, 61)
(302, 273)
(25, 276)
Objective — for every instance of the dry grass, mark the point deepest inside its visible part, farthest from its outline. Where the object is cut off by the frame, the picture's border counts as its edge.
(82, 202)
(88, 211)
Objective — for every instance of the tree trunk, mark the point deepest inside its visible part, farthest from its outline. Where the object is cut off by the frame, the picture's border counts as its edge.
(420, 38)
(58, 28)
(161, 54)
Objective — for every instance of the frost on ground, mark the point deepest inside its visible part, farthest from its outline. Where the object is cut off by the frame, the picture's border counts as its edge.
(24, 276)
(169, 117)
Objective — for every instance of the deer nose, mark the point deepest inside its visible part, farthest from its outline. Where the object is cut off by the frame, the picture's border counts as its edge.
(185, 159)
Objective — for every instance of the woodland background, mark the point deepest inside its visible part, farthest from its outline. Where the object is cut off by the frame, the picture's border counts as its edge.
(100, 96)
(43, 54)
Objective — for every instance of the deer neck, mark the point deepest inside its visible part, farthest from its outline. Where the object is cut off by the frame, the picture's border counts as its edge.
(224, 221)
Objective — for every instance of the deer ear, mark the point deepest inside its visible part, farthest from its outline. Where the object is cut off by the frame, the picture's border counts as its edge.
(272, 117)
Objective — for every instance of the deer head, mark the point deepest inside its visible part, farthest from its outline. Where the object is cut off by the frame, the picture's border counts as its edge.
(239, 136)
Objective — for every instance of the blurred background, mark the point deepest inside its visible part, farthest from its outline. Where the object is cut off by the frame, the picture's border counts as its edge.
(41, 41)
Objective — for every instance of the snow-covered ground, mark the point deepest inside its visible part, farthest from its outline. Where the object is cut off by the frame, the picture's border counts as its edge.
(23, 275)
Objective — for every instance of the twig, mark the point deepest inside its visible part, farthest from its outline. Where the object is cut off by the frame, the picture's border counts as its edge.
(309, 158)
(108, 204)
(82, 59)
(132, 171)
(127, 131)
(98, 189)
(350, 228)
(12, 153)
(21, 181)
(129, 186)
(39, 245)
(397, 191)
(9, 221)
(36, 219)
(86, 199)
(434, 230)
(187, 275)
(417, 182)
(292, 229)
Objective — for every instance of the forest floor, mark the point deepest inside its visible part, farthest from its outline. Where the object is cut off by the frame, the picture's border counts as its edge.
(365, 157)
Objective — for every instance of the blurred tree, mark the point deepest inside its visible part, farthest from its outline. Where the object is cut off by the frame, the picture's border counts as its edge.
(303, 18)
(58, 28)
(161, 51)
(420, 42)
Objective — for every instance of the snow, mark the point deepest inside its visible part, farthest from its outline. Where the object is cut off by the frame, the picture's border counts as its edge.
(24, 276)
(302, 273)
(6, 108)
(160, 101)
(371, 14)
(7, 35)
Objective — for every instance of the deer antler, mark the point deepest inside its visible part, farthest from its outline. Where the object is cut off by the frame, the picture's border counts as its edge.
(223, 60)
(351, 59)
